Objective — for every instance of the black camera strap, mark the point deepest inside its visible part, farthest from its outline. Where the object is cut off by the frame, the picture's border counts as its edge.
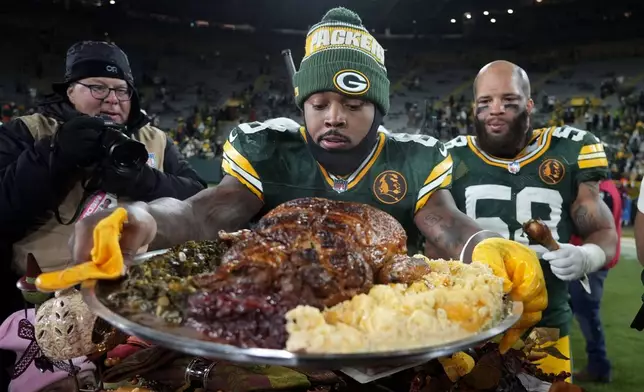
(79, 209)
(86, 193)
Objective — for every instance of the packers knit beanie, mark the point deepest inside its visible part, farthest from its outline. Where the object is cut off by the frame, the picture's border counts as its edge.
(342, 56)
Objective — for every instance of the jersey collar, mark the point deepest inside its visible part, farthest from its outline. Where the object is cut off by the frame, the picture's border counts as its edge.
(341, 184)
(537, 147)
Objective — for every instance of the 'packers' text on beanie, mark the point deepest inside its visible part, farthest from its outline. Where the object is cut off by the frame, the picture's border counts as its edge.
(341, 56)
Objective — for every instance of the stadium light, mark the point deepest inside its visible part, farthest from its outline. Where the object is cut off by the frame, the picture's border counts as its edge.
(112, 2)
(486, 13)
(510, 11)
(468, 15)
(453, 20)
(539, 1)
(493, 20)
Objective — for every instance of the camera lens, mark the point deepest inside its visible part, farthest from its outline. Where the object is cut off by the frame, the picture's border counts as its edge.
(128, 154)
(124, 153)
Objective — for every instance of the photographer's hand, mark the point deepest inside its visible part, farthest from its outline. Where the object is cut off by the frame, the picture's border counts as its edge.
(77, 142)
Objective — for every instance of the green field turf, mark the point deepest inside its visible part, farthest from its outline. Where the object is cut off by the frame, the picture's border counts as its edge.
(622, 299)
(627, 232)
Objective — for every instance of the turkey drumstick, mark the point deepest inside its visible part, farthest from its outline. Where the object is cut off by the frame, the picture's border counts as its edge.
(539, 232)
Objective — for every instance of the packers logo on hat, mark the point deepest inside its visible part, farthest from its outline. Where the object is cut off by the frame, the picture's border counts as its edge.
(351, 82)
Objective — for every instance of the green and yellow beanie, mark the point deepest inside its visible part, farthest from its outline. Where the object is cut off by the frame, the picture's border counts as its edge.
(342, 56)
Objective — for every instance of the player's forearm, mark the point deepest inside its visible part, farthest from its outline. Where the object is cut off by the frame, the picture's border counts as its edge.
(594, 223)
(448, 232)
(605, 239)
(229, 206)
(175, 220)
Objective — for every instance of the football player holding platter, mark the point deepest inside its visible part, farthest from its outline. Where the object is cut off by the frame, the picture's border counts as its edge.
(343, 90)
(510, 173)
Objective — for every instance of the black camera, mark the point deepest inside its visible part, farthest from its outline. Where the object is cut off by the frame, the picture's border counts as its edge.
(124, 154)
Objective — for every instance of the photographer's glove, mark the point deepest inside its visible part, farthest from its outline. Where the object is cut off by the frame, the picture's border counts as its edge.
(77, 142)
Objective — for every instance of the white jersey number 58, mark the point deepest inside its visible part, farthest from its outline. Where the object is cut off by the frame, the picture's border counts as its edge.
(524, 200)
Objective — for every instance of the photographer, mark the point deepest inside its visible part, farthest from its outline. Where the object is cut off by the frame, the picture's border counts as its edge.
(88, 142)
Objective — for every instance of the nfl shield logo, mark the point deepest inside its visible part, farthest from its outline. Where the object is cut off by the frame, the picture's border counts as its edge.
(514, 167)
(152, 160)
(339, 185)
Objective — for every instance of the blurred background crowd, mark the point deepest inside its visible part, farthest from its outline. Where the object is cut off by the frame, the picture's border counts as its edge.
(197, 84)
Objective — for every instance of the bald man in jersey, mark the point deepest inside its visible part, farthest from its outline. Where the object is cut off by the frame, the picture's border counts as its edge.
(510, 173)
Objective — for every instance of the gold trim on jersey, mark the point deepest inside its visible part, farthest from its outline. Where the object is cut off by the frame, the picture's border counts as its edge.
(354, 178)
(592, 156)
(592, 163)
(440, 177)
(236, 165)
(541, 137)
(591, 149)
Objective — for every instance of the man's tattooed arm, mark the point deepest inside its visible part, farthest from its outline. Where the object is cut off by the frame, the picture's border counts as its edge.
(446, 229)
(594, 220)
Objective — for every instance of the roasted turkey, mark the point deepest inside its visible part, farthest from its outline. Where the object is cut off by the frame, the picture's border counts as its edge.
(309, 251)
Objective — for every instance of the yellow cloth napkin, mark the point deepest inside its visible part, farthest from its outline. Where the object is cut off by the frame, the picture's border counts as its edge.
(107, 259)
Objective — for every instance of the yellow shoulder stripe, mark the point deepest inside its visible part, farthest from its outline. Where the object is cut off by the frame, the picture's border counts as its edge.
(440, 177)
(591, 163)
(239, 159)
(591, 156)
(439, 169)
(591, 148)
(228, 169)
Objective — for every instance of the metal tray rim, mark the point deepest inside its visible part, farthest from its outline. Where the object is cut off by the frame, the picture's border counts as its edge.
(210, 349)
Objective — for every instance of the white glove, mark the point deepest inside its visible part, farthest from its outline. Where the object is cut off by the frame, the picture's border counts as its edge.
(572, 262)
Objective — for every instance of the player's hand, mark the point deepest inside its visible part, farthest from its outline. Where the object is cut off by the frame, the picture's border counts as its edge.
(572, 262)
(568, 262)
(523, 280)
(138, 231)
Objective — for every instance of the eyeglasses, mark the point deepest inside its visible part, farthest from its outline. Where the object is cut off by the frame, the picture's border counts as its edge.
(100, 91)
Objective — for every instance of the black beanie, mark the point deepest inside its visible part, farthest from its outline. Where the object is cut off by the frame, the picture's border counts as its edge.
(92, 59)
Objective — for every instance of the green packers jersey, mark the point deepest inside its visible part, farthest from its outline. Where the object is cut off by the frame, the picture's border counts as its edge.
(398, 176)
(541, 182)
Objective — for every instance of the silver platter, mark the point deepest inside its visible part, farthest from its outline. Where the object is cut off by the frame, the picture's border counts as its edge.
(189, 341)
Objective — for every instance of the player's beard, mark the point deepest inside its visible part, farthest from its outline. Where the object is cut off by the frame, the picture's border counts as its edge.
(508, 145)
(345, 162)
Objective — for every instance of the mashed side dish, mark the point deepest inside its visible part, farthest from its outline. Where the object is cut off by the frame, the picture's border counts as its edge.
(452, 302)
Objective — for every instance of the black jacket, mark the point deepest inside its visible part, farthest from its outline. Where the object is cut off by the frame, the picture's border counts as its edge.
(30, 190)
(28, 193)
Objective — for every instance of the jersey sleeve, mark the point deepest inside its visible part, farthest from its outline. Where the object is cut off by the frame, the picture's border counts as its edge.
(439, 172)
(246, 149)
(592, 163)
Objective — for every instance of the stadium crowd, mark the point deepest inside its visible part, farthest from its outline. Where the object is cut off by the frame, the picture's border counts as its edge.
(198, 115)
(195, 86)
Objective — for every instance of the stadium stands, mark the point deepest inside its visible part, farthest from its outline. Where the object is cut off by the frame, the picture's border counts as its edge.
(198, 84)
